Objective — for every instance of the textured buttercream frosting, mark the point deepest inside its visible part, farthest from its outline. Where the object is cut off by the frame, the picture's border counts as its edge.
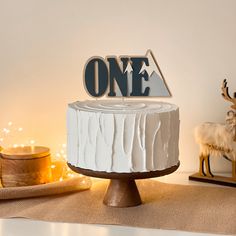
(123, 136)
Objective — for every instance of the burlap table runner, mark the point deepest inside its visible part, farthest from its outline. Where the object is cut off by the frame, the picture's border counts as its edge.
(166, 206)
(78, 183)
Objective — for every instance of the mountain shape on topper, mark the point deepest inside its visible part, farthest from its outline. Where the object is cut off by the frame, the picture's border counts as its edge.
(129, 68)
(156, 81)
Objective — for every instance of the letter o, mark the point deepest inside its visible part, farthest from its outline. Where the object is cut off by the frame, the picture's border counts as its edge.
(96, 69)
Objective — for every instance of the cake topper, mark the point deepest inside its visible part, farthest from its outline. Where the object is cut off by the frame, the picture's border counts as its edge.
(127, 76)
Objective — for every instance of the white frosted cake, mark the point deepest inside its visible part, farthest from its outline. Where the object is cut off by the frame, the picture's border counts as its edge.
(123, 137)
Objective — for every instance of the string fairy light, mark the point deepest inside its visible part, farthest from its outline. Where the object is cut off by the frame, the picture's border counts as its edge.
(6, 131)
(61, 179)
(10, 131)
(32, 142)
(58, 158)
(58, 154)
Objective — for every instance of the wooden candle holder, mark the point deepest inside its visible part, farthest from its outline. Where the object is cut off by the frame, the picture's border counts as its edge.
(25, 166)
(122, 190)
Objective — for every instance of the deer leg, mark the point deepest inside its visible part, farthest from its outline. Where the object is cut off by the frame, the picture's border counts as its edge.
(208, 167)
(201, 166)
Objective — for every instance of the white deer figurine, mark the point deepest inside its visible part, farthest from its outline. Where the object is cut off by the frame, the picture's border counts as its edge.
(218, 139)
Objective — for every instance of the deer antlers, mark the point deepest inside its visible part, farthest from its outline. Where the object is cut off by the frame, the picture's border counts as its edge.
(226, 96)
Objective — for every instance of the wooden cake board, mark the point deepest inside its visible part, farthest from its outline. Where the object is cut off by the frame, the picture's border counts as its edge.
(221, 180)
(122, 190)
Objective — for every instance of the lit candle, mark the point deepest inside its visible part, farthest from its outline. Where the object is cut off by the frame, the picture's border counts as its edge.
(30, 161)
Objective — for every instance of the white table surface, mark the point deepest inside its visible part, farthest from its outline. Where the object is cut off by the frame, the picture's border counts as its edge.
(25, 227)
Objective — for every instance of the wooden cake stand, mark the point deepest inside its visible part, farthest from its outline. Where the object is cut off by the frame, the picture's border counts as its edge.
(122, 190)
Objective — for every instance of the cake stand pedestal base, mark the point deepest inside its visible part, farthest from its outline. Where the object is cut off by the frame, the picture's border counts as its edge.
(122, 190)
(122, 193)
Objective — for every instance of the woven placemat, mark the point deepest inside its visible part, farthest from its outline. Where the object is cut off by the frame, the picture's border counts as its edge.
(166, 206)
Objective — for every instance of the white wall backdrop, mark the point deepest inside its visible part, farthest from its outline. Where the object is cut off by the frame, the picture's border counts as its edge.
(45, 44)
